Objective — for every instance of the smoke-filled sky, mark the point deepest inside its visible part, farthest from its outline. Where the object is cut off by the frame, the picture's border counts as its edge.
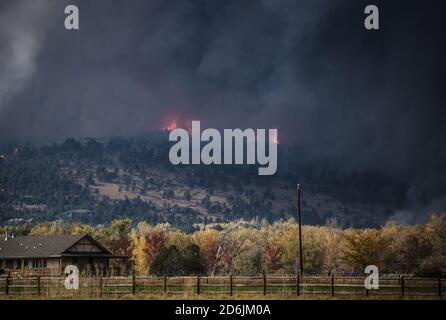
(308, 67)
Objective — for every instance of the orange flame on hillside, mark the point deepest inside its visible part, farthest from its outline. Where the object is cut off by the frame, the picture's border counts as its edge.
(172, 126)
(179, 122)
(275, 138)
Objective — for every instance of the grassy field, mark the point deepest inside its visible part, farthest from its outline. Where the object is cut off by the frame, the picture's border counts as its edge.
(213, 296)
(268, 287)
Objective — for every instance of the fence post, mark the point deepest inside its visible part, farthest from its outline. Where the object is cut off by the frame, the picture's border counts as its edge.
(7, 285)
(165, 284)
(332, 285)
(198, 284)
(367, 290)
(439, 287)
(230, 285)
(264, 283)
(133, 284)
(402, 286)
(298, 284)
(38, 285)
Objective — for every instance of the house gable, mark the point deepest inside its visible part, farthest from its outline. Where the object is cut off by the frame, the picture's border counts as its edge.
(86, 245)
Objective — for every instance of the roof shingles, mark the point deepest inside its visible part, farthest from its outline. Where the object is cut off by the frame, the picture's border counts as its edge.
(37, 246)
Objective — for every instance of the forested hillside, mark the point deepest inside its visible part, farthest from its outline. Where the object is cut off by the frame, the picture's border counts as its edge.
(96, 181)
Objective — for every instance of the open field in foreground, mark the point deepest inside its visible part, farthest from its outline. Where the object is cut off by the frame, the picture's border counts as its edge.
(231, 287)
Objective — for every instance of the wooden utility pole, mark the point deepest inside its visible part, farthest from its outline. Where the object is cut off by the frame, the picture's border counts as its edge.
(299, 221)
(133, 283)
(38, 285)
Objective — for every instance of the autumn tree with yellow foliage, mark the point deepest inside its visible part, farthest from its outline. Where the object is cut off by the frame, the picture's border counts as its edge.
(250, 247)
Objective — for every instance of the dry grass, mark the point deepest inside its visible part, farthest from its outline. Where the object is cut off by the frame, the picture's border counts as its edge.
(237, 296)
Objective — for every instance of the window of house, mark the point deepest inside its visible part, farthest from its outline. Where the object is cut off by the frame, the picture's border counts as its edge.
(37, 264)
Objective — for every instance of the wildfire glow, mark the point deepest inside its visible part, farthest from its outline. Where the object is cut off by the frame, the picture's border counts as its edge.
(179, 122)
(172, 126)
(276, 138)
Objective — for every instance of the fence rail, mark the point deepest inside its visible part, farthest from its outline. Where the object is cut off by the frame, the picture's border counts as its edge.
(230, 285)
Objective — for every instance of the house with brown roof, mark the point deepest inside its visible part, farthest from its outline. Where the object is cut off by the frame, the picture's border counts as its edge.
(51, 254)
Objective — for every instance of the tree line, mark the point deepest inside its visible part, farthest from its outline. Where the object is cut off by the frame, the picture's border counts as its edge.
(252, 247)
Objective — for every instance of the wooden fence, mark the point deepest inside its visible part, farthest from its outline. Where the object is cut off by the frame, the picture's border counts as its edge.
(230, 285)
